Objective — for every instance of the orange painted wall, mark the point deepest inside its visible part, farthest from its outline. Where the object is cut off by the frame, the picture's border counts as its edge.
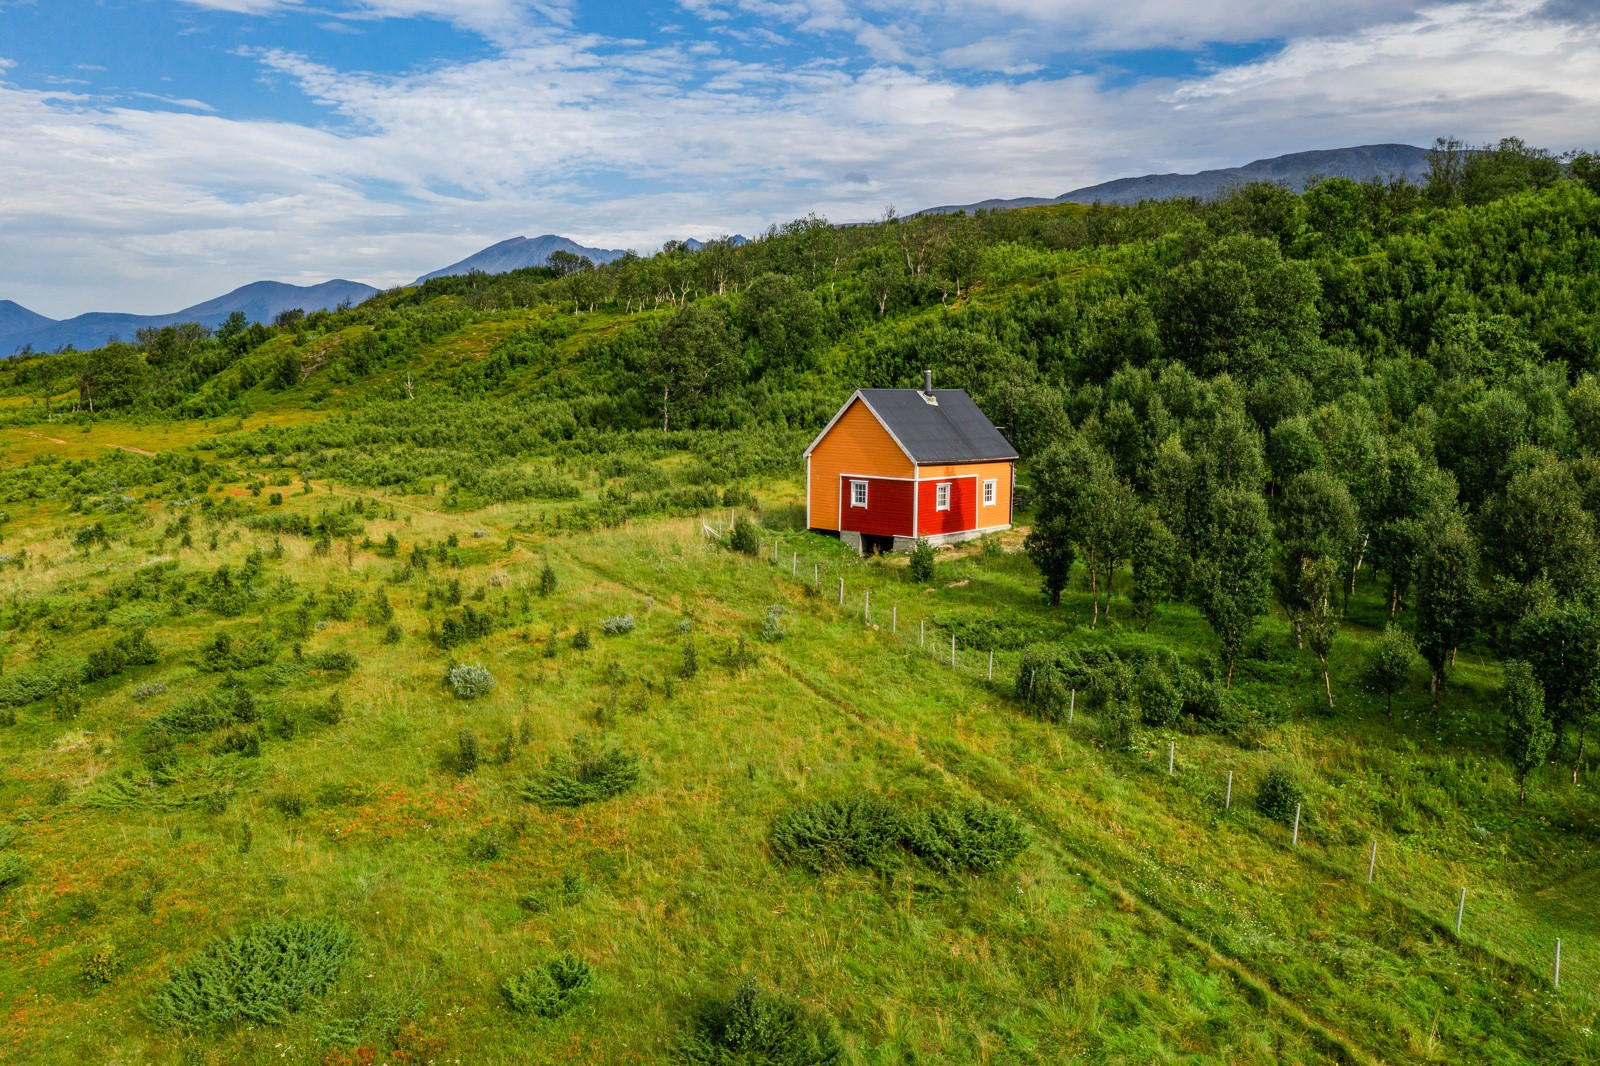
(857, 444)
(999, 514)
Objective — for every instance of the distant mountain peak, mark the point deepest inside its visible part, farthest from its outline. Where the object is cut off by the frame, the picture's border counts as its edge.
(1294, 171)
(516, 253)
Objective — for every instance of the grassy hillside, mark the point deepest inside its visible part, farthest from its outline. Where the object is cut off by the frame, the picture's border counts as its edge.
(257, 804)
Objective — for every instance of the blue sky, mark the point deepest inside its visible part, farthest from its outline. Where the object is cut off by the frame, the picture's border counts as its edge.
(163, 151)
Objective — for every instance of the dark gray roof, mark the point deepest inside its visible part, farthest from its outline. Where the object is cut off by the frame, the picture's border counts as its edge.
(953, 431)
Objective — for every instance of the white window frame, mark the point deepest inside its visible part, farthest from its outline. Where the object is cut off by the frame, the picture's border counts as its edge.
(991, 491)
(858, 485)
(941, 496)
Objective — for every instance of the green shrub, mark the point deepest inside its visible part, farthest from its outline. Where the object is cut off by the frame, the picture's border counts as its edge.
(334, 662)
(742, 536)
(468, 755)
(551, 990)
(1116, 725)
(921, 568)
(289, 803)
(970, 836)
(580, 639)
(470, 681)
(8, 835)
(754, 1026)
(586, 774)
(1047, 677)
(1279, 794)
(484, 845)
(862, 831)
(1160, 699)
(691, 660)
(772, 629)
(547, 579)
(102, 966)
(257, 976)
(13, 868)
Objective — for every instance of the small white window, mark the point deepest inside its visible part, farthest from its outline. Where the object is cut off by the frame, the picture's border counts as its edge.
(858, 494)
(989, 492)
(941, 497)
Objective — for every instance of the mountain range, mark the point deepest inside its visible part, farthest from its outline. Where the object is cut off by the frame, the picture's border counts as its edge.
(260, 301)
(263, 300)
(1295, 171)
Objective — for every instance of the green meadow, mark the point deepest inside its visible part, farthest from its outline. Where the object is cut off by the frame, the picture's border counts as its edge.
(448, 679)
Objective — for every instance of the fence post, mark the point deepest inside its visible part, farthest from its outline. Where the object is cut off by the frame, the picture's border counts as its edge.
(1072, 705)
(816, 575)
(1557, 981)
(841, 591)
(1461, 908)
(866, 609)
(991, 664)
(922, 633)
(1294, 841)
(774, 553)
(1172, 752)
(894, 619)
(1227, 799)
(952, 649)
(1372, 860)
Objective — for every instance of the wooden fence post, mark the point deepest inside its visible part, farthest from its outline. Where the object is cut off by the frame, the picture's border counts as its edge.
(922, 633)
(952, 649)
(1557, 981)
(1072, 705)
(894, 619)
(1227, 799)
(1461, 908)
(866, 608)
(1172, 753)
(1294, 841)
(841, 590)
(1372, 860)
(991, 664)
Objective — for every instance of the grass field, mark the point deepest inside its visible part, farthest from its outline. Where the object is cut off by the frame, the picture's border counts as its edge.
(1141, 923)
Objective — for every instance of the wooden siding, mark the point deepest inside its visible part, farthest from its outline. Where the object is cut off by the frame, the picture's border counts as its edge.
(962, 514)
(857, 444)
(997, 514)
(888, 509)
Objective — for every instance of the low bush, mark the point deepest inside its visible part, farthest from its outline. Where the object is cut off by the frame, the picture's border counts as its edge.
(586, 774)
(772, 629)
(259, 976)
(333, 662)
(970, 836)
(756, 1026)
(742, 536)
(102, 966)
(1047, 679)
(148, 689)
(921, 566)
(862, 831)
(615, 627)
(1280, 794)
(470, 681)
(13, 869)
(551, 990)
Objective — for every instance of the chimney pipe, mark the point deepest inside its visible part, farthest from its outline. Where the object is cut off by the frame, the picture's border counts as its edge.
(927, 382)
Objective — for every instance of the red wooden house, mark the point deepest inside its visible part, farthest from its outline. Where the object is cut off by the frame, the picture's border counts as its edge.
(898, 465)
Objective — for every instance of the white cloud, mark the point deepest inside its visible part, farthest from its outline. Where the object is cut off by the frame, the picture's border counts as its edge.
(112, 207)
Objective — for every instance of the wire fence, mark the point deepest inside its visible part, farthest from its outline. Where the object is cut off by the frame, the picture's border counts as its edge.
(1484, 916)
